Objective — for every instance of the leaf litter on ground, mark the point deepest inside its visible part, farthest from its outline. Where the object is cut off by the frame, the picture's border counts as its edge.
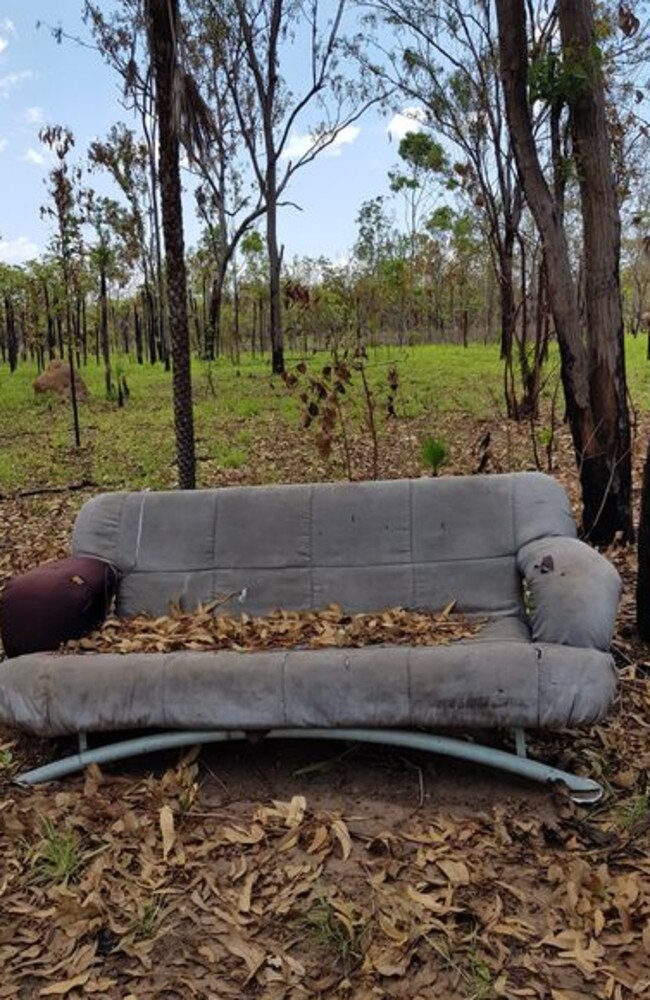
(181, 891)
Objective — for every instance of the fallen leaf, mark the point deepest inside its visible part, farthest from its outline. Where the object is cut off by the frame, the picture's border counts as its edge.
(167, 830)
(342, 834)
(61, 988)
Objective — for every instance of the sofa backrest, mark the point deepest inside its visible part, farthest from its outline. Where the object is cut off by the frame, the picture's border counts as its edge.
(365, 546)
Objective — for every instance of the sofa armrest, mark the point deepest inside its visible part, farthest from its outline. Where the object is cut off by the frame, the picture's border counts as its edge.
(574, 592)
(55, 602)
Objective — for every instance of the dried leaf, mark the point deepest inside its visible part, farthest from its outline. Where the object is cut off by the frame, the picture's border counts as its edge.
(166, 819)
(61, 988)
(342, 834)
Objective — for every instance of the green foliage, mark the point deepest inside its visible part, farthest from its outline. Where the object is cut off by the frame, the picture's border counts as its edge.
(435, 454)
(420, 151)
(558, 80)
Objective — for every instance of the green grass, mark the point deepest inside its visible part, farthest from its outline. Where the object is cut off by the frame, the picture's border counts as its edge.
(234, 407)
(331, 932)
(57, 857)
(634, 811)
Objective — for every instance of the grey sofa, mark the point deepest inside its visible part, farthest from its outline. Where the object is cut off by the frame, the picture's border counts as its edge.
(499, 546)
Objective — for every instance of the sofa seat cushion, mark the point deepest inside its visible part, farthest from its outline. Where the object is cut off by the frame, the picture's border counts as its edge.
(484, 682)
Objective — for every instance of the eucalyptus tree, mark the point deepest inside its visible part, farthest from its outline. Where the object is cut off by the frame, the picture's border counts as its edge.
(126, 159)
(11, 289)
(591, 346)
(66, 243)
(114, 247)
(255, 39)
(442, 58)
(423, 162)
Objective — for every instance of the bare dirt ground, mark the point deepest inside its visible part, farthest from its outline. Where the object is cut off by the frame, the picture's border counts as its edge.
(314, 870)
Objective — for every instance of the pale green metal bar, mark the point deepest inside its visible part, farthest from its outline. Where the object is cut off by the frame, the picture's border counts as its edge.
(582, 790)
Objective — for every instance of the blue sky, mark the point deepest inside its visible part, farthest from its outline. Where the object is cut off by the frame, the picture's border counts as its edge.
(45, 83)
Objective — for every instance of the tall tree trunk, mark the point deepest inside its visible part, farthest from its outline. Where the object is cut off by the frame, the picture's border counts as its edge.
(137, 332)
(103, 329)
(275, 264)
(51, 331)
(72, 349)
(602, 246)
(643, 580)
(507, 308)
(162, 17)
(12, 339)
(603, 457)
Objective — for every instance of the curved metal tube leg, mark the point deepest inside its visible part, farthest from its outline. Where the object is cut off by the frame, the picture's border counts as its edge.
(582, 790)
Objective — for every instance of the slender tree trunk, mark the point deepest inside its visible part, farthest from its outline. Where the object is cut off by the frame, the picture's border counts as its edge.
(71, 352)
(137, 332)
(275, 264)
(507, 307)
(103, 328)
(51, 331)
(12, 339)
(162, 16)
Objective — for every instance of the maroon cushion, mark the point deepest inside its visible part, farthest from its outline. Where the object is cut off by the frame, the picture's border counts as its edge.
(54, 602)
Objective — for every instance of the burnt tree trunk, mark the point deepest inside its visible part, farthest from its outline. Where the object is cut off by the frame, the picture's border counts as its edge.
(275, 298)
(643, 580)
(608, 504)
(162, 19)
(599, 428)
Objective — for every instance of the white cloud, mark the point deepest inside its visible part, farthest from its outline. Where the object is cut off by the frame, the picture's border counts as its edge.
(345, 137)
(3, 145)
(407, 120)
(8, 26)
(34, 115)
(18, 251)
(298, 144)
(4, 42)
(11, 80)
(33, 156)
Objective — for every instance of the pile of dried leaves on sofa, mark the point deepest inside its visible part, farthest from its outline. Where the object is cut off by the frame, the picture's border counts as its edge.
(202, 630)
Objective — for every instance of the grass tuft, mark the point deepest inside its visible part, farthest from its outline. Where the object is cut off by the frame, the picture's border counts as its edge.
(57, 858)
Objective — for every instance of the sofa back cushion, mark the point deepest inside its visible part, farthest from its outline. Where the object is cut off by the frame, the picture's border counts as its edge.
(366, 546)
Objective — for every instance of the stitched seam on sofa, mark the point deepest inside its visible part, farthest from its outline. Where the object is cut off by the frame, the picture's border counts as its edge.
(139, 533)
(336, 566)
(116, 544)
(215, 525)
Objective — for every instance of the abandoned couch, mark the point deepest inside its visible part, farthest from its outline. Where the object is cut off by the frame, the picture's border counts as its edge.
(501, 546)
